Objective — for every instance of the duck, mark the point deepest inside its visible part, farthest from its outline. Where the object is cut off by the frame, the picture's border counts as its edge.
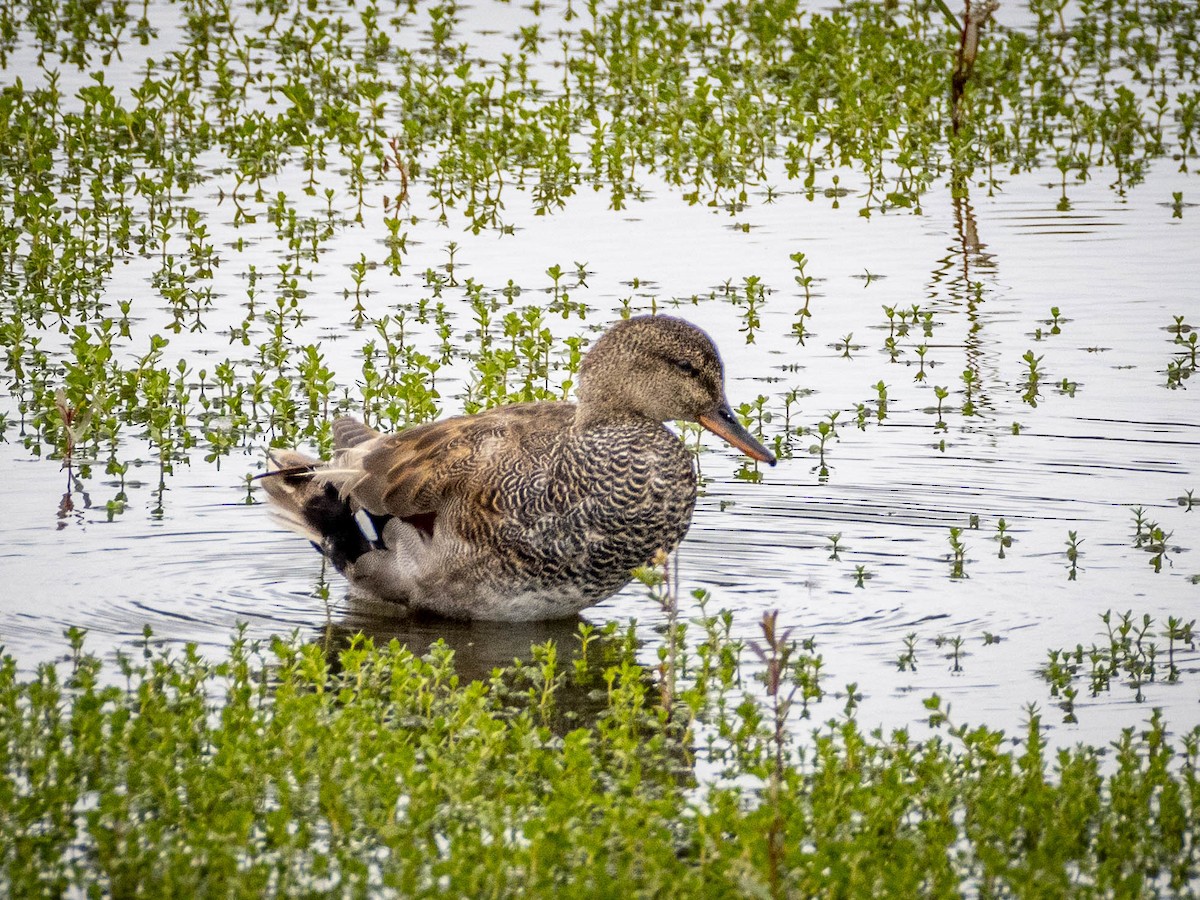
(527, 511)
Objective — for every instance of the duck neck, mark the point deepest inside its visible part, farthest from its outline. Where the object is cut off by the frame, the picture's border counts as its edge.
(592, 412)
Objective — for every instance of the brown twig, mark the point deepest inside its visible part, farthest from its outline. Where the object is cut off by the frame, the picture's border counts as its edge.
(975, 17)
(397, 162)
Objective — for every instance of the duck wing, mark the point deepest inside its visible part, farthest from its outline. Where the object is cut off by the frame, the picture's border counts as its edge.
(465, 462)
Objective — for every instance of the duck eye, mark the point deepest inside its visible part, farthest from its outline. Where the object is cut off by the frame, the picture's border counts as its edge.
(685, 367)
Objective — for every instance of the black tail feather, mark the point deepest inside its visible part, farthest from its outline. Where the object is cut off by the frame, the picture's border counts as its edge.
(342, 540)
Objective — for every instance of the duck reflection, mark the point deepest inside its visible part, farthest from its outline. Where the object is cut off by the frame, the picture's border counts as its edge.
(479, 647)
(484, 650)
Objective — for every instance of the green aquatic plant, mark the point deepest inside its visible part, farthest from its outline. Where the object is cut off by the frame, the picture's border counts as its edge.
(1151, 537)
(784, 443)
(861, 416)
(369, 110)
(835, 549)
(1184, 365)
(1073, 554)
(1003, 539)
(881, 401)
(1033, 376)
(1068, 387)
(941, 393)
(290, 763)
(861, 575)
(958, 553)
(826, 431)
(970, 380)
(922, 350)
(805, 283)
(752, 297)
(1056, 320)
(1178, 634)
(1059, 673)
(1129, 654)
(956, 643)
(845, 345)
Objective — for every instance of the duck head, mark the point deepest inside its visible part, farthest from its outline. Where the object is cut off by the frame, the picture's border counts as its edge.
(665, 369)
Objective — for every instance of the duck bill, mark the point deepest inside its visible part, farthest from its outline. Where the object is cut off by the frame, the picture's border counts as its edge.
(724, 424)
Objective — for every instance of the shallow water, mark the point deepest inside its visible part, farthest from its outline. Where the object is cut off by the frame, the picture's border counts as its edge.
(989, 269)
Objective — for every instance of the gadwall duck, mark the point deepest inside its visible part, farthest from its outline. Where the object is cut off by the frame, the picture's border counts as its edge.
(523, 512)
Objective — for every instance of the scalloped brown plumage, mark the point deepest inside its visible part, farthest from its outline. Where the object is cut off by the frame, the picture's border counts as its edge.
(528, 511)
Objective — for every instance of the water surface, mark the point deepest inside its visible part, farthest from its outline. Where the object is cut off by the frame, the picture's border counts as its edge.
(193, 557)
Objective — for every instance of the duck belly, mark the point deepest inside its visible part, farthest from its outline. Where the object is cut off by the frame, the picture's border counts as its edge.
(517, 581)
